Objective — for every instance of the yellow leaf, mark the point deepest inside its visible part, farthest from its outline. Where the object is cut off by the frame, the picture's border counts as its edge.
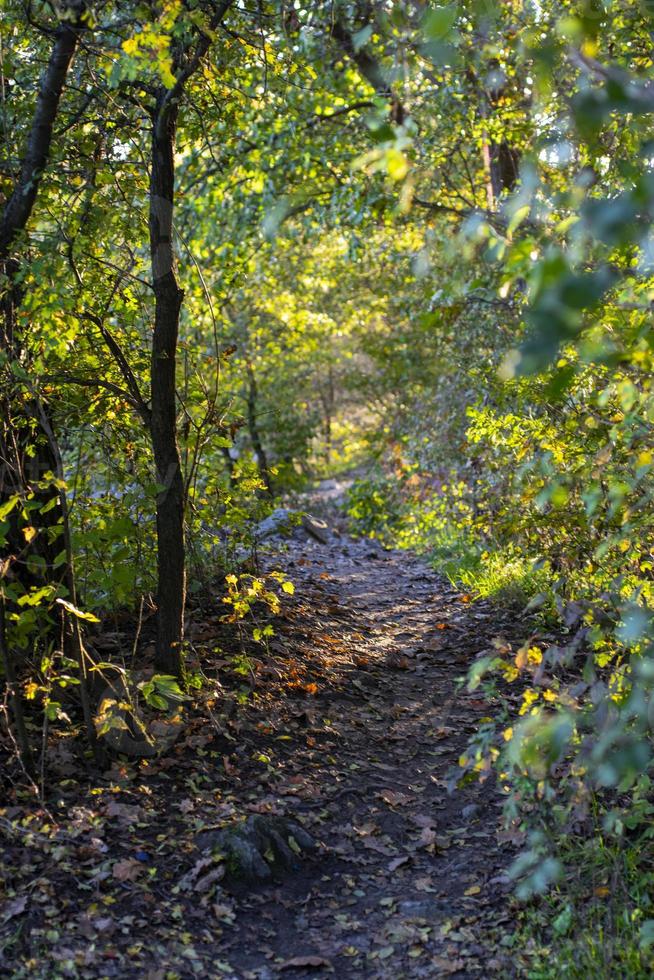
(535, 655)
(29, 533)
(131, 46)
(528, 698)
(397, 164)
(74, 611)
(473, 890)
(288, 587)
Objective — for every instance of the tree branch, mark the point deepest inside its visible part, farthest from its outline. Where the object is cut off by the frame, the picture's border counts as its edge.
(369, 68)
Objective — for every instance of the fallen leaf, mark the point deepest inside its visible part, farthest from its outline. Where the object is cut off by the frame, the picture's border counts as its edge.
(473, 890)
(189, 879)
(17, 907)
(445, 965)
(127, 870)
(394, 799)
(224, 913)
(126, 813)
(384, 953)
(299, 962)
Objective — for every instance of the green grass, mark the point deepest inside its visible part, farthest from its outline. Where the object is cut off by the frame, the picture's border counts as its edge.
(597, 924)
(509, 579)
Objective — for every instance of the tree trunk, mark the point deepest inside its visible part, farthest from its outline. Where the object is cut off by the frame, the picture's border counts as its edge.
(26, 453)
(171, 568)
(171, 585)
(26, 457)
(17, 721)
(255, 435)
(328, 407)
(19, 206)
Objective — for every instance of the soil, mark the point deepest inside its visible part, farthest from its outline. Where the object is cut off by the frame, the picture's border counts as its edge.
(352, 725)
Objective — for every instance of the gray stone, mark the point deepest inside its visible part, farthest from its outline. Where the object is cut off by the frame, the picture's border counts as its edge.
(255, 849)
(283, 521)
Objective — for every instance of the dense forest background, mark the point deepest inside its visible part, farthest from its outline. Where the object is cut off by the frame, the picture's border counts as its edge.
(249, 246)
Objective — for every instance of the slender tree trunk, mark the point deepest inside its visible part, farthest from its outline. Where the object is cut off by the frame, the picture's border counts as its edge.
(255, 435)
(13, 694)
(73, 639)
(329, 412)
(23, 461)
(171, 567)
(25, 454)
(229, 463)
(19, 206)
(171, 586)
(501, 160)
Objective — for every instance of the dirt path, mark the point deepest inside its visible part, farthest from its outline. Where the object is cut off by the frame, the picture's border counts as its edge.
(355, 726)
(413, 883)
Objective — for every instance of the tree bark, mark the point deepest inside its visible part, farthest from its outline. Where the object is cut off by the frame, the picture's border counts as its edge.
(171, 565)
(19, 206)
(25, 451)
(171, 584)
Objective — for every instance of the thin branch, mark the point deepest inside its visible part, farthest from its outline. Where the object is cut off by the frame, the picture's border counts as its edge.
(135, 397)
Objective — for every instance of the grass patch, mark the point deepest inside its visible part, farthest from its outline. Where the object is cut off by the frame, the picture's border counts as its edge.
(599, 922)
(509, 579)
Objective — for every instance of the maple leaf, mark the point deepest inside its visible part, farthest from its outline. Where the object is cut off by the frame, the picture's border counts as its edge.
(127, 870)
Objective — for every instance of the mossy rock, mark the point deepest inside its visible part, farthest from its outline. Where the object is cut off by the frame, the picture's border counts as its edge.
(260, 848)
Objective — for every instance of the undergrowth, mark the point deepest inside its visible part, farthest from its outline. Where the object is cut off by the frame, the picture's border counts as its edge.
(599, 921)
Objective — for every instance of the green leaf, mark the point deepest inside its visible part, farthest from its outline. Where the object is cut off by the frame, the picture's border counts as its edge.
(361, 38)
(35, 597)
(438, 22)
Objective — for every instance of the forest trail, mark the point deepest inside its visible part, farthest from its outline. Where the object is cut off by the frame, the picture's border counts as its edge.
(355, 726)
(413, 883)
